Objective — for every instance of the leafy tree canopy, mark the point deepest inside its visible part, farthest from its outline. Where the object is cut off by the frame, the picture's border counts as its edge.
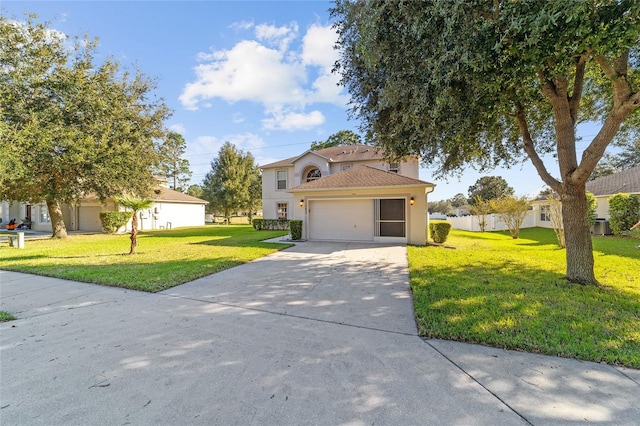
(443, 207)
(71, 126)
(489, 188)
(195, 190)
(483, 82)
(459, 200)
(343, 137)
(171, 164)
(232, 181)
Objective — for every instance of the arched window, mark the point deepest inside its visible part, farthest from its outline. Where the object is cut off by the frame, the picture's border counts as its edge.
(313, 174)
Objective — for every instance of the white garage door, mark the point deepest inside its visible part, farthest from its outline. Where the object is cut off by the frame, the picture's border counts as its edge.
(89, 219)
(348, 220)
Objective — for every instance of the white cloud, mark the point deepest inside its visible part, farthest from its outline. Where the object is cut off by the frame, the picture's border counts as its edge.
(293, 121)
(249, 71)
(284, 77)
(317, 46)
(277, 36)
(178, 128)
(242, 25)
(238, 118)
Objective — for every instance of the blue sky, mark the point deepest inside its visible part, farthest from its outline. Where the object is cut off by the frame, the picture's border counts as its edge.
(254, 73)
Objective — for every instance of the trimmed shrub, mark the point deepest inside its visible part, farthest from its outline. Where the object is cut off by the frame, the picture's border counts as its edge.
(624, 210)
(112, 221)
(439, 231)
(295, 226)
(512, 210)
(271, 224)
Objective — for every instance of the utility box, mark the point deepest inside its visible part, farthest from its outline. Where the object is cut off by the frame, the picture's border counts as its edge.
(16, 240)
(601, 227)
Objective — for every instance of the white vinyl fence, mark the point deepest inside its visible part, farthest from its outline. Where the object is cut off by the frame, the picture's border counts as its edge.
(494, 223)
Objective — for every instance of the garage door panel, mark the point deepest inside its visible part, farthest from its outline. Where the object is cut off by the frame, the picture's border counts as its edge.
(89, 219)
(348, 220)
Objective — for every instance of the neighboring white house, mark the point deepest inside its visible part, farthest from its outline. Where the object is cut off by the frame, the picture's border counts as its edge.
(170, 209)
(627, 182)
(348, 193)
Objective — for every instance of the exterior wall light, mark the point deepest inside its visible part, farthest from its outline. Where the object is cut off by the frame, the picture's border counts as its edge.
(301, 203)
(412, 201)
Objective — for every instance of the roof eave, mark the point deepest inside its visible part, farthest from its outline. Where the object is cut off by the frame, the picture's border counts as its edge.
(351, 188)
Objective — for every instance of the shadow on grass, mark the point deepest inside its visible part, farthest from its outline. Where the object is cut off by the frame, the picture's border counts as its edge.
(143, 276)
(511, 305)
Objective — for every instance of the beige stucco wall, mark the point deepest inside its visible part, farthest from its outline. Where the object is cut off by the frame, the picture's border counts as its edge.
(296, 175)
(271, 196)
(417, 221)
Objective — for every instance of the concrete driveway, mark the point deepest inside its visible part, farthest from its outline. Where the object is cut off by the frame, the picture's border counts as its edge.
(322, 333)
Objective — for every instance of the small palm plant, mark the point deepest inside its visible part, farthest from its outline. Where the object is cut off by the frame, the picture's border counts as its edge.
(135, 204)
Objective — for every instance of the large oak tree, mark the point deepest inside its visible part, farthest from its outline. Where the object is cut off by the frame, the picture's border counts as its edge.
(233, 183)
(482, 82)
(71, 126)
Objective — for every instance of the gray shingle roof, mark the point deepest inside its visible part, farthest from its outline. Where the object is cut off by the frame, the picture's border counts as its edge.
(627, 181)
(360, 177)
(161, 193)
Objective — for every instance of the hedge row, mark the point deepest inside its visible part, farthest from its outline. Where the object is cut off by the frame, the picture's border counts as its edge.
(112, 221)
(270, 224)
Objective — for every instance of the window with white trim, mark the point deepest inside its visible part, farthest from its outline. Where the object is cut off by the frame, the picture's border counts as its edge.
(394, 167)
(44, 215)
(313, 174)
(281, 179)
(282, 210)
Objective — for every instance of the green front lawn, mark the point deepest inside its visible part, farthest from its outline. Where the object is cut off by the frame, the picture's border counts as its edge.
(511, 294)
(164, 258)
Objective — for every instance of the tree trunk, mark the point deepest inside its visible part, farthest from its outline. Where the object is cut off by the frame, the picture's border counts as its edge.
(577, 234)
(134, 232)
(57, 220)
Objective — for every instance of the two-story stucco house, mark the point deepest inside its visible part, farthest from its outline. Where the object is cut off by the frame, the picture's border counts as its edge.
(348, 193)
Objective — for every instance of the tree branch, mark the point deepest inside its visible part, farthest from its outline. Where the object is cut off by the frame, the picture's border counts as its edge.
(578, 84)
(606, 66)
(531, 152)
(624, 102)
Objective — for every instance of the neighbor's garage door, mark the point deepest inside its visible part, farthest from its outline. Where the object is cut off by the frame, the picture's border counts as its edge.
(89, 219)
(348, 220)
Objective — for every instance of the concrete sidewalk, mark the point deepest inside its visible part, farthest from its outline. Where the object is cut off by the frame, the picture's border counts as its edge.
(322, 333)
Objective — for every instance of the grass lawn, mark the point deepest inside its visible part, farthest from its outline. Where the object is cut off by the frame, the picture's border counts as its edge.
(163, 260)
(511, 294)
(6, 316)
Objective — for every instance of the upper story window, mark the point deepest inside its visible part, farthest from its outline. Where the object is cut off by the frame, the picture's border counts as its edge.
(394, 167)
(313, 174)
(281, 179)
(345, 167)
